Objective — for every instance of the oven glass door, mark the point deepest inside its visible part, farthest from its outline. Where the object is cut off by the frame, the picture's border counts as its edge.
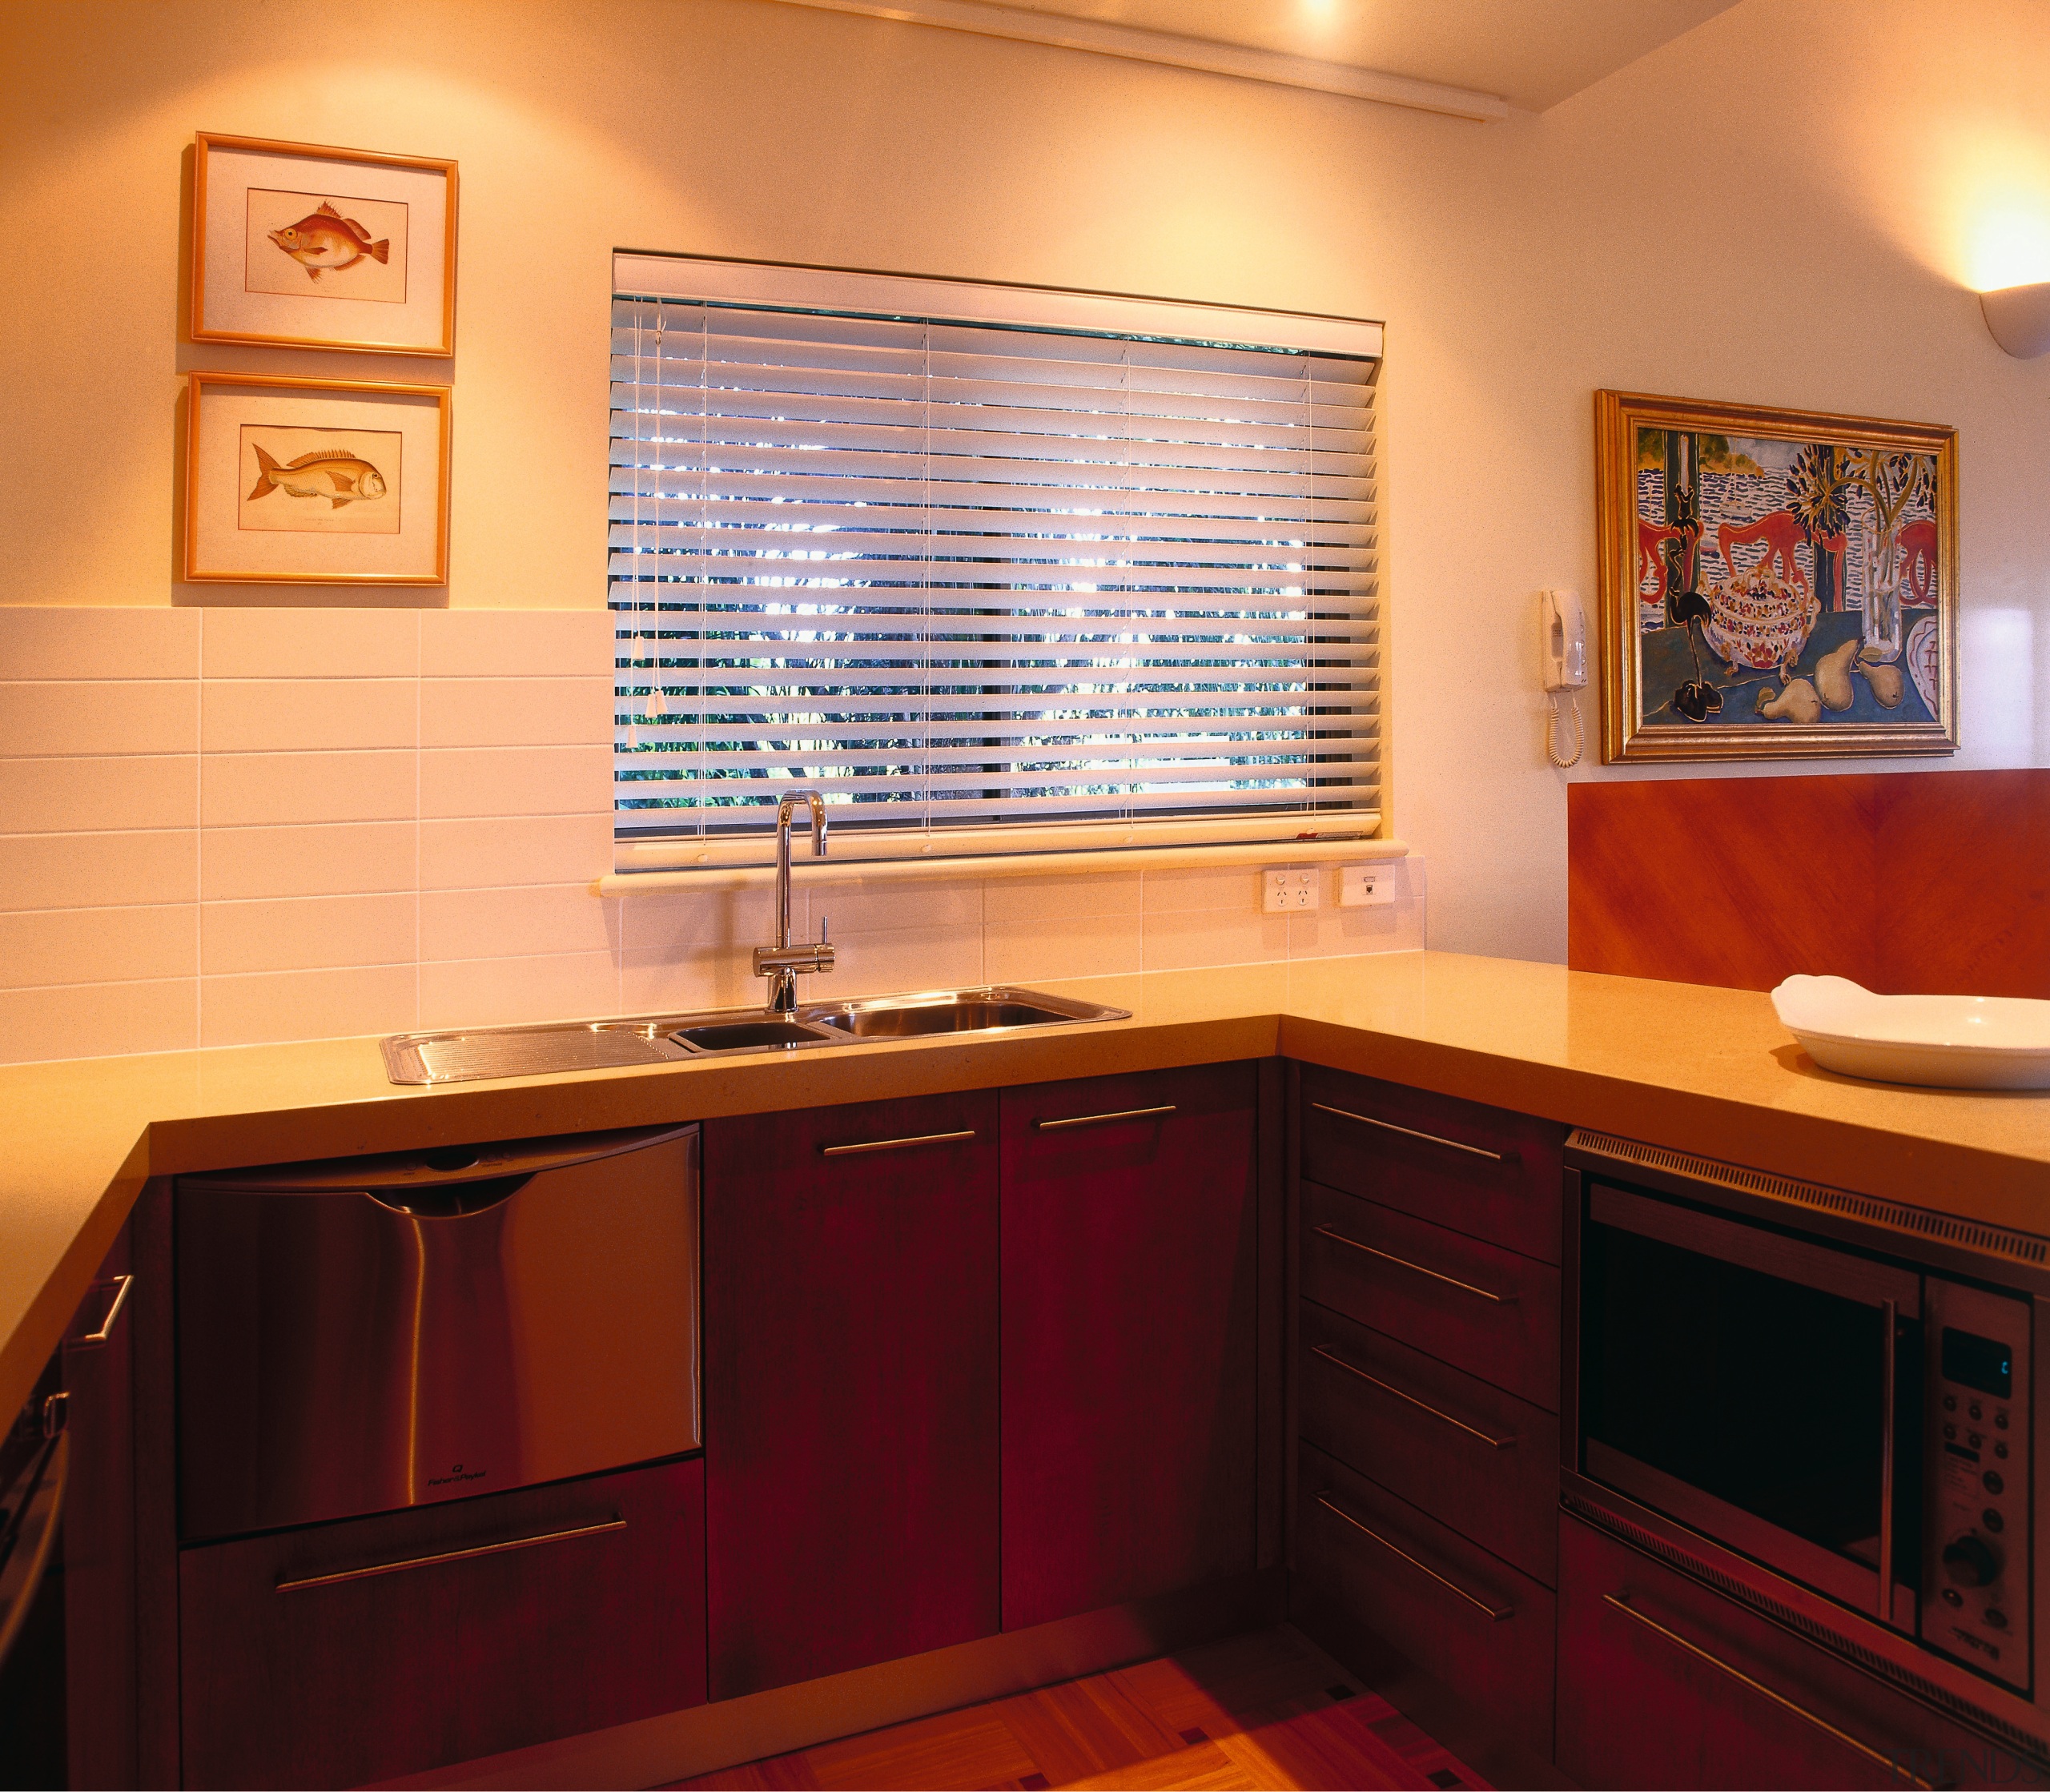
(1762, 1389)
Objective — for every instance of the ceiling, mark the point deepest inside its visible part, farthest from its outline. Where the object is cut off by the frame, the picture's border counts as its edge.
(1532, 53)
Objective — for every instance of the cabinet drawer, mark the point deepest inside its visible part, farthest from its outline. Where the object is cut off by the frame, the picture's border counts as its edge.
(1480, 1308)
(339, 1653)
(1365, 1560)
(1664, 1682)
(1483, 1461)
(1482, 1170)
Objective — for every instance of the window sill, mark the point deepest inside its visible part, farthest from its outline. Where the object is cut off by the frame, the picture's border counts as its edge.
(709, 878)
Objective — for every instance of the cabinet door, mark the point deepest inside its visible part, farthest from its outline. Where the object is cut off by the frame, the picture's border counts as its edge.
(99, 1530)
(1130, 1315)
(334, 1654)
(850, 1381)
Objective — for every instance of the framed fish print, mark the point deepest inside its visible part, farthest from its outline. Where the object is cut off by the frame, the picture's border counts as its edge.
(314, 481)
(298, 246)
(1775, 585)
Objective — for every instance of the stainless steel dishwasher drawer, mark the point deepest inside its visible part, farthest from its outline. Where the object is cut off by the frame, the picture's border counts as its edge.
(359, 1335)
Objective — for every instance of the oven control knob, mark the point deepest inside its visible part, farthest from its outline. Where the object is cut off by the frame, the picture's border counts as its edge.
(1971, 1562)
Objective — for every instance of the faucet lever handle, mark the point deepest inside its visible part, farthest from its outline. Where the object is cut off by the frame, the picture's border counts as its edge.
(824, 936)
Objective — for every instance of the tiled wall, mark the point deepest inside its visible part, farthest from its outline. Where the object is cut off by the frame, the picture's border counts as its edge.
(232, 826)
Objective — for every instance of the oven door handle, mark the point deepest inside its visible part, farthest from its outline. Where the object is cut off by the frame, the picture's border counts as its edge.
(1890, 1319)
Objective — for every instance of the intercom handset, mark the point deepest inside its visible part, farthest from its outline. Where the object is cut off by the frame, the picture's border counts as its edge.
(1563, 643)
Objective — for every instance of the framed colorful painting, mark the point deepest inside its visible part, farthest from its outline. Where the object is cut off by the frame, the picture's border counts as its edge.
(324, 248)
(1775, 585)
(315, 481)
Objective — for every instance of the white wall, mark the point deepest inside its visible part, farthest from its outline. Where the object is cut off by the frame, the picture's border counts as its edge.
(1783, 207)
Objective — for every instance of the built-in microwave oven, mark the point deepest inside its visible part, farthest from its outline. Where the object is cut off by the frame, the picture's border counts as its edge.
(1831, 1388)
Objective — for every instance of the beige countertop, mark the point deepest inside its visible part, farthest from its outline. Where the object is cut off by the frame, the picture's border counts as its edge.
(1702, 1069)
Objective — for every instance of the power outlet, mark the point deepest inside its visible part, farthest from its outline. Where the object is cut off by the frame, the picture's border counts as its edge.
(1365, 886)
(1286, 892)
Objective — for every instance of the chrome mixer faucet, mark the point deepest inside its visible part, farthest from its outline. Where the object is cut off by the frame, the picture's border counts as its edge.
(780, 963)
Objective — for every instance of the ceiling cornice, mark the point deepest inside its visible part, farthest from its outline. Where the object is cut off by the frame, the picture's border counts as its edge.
(1103, 38)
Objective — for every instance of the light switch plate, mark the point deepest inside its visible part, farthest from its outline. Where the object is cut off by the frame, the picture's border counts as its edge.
(1361, 886)
(1287, 892)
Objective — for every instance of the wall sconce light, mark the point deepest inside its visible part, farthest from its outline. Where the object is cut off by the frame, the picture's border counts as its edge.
(2019, 316)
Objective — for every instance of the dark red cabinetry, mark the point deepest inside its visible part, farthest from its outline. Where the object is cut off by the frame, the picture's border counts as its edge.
(850, 1386)
(1131, 1310)
(1664, 1682)
(342, 1653)
(99, 1529)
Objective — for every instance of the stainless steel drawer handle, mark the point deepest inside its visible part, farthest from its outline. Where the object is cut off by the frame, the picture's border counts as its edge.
(1421, 1406)
(1403, 1263)
(1409, 1132)
(450, 1555)
(895, 1144)
(1104, 1119)
(1496, 1613)
(92, 1340)
(1894, 1769)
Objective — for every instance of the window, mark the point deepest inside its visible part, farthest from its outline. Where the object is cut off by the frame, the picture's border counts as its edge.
(1079, 570)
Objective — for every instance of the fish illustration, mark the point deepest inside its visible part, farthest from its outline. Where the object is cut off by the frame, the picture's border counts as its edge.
(324, 239)
(334, 474)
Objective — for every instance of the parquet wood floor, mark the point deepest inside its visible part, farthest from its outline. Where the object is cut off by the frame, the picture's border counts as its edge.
(1267, 1711)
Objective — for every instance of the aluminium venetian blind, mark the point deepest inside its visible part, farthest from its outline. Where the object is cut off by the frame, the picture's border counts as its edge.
(957, 574)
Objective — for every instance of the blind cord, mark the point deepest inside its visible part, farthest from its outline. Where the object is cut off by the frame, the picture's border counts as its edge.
(1552, 730)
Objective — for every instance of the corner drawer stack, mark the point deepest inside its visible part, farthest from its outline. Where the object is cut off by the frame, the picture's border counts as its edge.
(1427, 1380)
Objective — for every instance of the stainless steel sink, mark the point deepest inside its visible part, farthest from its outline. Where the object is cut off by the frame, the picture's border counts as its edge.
(902, 1017)
(558, 1048)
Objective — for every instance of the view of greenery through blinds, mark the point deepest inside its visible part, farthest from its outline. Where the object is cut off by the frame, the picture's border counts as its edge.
(952, 574)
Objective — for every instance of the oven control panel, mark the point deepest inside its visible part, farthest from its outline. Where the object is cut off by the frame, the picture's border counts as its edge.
(1975, 1576)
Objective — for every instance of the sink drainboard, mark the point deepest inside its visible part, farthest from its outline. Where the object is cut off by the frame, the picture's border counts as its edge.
(558, 1049)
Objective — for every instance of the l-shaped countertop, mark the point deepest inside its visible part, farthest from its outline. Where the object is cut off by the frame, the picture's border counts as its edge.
(1701, 1070)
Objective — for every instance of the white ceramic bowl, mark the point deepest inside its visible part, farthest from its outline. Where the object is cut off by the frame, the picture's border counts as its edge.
(1941, 1042)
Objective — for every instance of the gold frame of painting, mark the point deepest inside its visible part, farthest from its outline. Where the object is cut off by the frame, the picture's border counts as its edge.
(200, 472)
(1803, 729)
(205, 143)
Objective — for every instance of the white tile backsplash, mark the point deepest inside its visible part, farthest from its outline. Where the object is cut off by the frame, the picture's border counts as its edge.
(310, 644)
(226, 827)
(279, 789)
(99, 794)
(325, 858)
(458, 782)
(99, 642)
(88, 715)
(305, 933)
(300, 715)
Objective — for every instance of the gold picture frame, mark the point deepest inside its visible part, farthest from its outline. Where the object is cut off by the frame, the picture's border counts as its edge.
(1774, 584)
(299, 481)
(302, 246)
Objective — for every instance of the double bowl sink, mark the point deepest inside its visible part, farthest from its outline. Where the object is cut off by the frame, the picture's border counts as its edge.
(557, 1048)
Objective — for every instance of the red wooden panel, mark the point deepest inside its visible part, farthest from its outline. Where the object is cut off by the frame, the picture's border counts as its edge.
(1964, 908)
(851, 1388)
(1907, 883)
(1130, 1310)
(1739, 882)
